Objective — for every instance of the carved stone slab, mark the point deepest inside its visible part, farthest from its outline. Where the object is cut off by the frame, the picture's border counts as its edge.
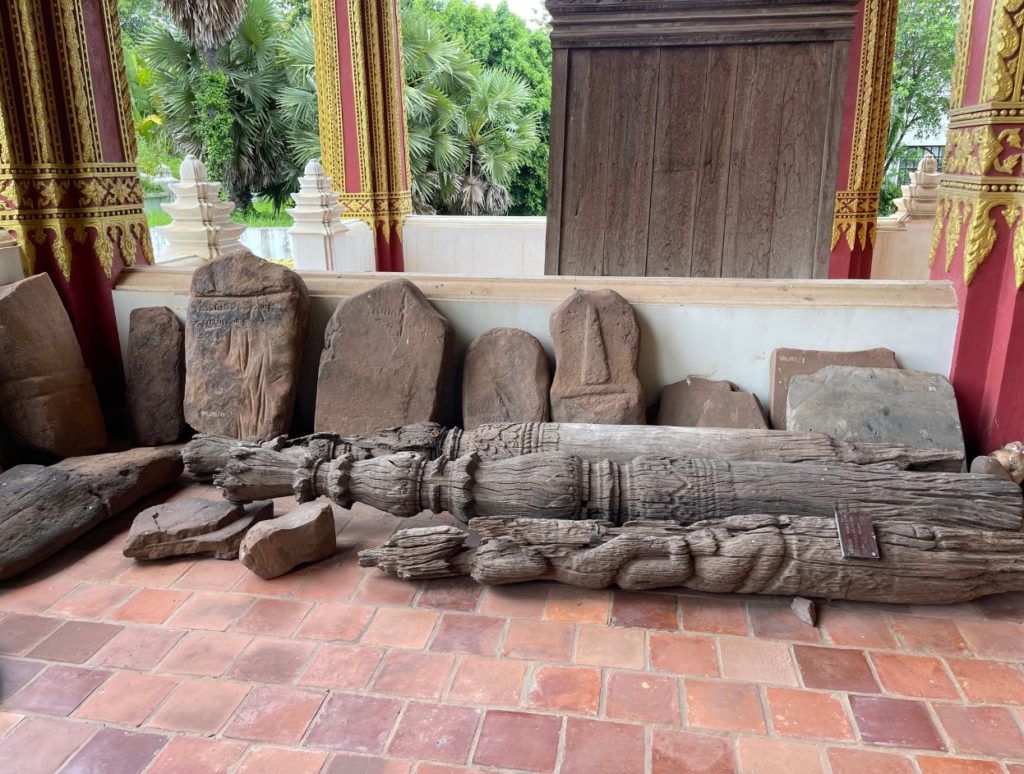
(733, 409)
(193, 526)
(155, 375)
(682, 403)
(877, 405)
(597, 342)
(243, 346)
(387, 353)
(787, 363)
(274, 547)
(505, 379)
(47, 398)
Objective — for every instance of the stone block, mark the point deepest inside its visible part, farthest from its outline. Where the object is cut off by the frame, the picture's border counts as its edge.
(733, 409)
(505, 379)
(307, 534)
(155, 375)
(682, 403)
(193, 526)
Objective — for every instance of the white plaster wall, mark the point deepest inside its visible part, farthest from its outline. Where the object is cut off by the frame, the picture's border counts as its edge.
(721, 340)
(477, 246)
(901, 249)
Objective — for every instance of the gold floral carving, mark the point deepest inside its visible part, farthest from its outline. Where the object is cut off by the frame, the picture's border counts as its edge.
(977, 150)
(1001, 79)
(971, 216)
(981, 236)
(963, 52)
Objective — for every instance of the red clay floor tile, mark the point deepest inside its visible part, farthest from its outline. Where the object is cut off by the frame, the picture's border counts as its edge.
(1002, 607)
(132, 751)
(502, 736)
(683, 654)
(648, 611)
(352, 763)
(538, 640)
(523, 600)
(435, 732)
(90, 601)
(199, 705)
(895, 723)
(477, 635)
(776, 756)
(137, 647)
(33, 596)
(724, 706)
(774, 620)
(354, 723)
(489, 681)
(835, 669)
(207, 610)
(851, 761)
(380, 589)
(712, 615)
(937, 635)
(597, 745)
(342, 667)
(41, 745)
(807, 714)
(273, 713)
(127, 698)
(196, 755)
(994, 639)
(932, 765)
(605, 646)
(642, 697)
(151, 606)
(988, 682)
(328, 583)
(276, 760)
(58, 690)
(205, 654)
(20, 632)
(212, 575)
(857, 627)
(982, 730)
(279, 617)
(336, 622)
(421, 675)
(271, 661)
(570, 603)
(457, 594)
(14, 673)
(74, 641)
(568, 689)
(757, 661)
(918, 676)
(400, 628)
(681, 752)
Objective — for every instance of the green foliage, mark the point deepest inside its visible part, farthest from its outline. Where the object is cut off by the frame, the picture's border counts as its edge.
(214, 121)
(137, 17)
(497, 38)
(923, 63)
(887, 196)
(264, 212)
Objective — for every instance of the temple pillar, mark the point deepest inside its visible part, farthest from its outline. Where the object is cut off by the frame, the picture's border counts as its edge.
(978, 240)
(69, 186)
(362, 117)
(862, 143)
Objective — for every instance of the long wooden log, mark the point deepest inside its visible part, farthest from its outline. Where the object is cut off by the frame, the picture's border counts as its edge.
(207, 454)
(559, 486)
(752, 554)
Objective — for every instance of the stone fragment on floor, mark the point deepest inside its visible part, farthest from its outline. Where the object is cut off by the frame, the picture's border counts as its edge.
(244, 338)
(194, 526)
(44, 508)
(875, 405)
(155, 375)
(387, 354)
(505, 379)
(307, 534)
(597, 342)
(787, 363)
(47, 398)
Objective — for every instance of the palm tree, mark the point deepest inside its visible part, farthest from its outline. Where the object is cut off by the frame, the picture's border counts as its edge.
(207, 23)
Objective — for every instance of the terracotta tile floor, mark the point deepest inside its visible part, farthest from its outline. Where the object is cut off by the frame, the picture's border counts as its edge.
(195, 666)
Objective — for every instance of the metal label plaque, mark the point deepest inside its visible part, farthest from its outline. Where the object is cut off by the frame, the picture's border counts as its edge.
(856, 535)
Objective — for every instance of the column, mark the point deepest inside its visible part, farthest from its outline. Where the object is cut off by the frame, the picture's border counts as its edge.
(69, 187)
(362, 118)
(978, 241)
(863, 140)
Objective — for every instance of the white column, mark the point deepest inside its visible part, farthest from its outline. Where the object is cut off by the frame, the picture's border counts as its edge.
(201, 224)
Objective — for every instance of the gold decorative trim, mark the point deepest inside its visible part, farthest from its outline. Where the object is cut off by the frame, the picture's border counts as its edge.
(1001, 79)
(970, 216)
(963, 53)
(328, 78)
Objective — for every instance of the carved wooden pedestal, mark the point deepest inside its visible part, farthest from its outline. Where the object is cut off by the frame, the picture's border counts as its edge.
(695, 137)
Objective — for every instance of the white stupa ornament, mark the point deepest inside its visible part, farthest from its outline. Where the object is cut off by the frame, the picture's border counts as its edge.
(318, 230)
(201, 223)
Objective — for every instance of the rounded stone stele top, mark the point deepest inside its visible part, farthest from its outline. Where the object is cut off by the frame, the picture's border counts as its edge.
(193, 170)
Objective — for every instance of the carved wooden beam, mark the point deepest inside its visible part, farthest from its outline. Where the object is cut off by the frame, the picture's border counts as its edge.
(206, 454)
(683, 490)
(754, 554)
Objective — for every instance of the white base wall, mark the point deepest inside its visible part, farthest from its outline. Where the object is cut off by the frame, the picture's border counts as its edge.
(476, 246)
(721, 329)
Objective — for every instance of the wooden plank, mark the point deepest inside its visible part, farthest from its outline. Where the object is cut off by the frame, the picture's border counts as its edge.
(556, 159)
(805, 82)
(716, 148)
(830, 159)
(677, 148)
(627, 204)
(753, 166)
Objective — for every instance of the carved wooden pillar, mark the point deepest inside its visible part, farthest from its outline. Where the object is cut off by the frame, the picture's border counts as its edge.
(978, 241)
(362, 117)
(863, 142)
(695, 137)
(69, 187)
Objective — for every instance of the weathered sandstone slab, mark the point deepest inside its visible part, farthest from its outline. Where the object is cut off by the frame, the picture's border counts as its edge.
(307, 534)
(736, 409)
(682, 402)
(42, 509)
(787, 363)
(387, 353)
(877, 405)
(193, 526)
(47, 398)
(244, 335)
(505, 379)
(597, 342)
(155, 375)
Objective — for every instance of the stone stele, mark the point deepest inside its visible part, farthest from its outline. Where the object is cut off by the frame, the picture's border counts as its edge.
(307, 534)
(877, 405)
(597, 342)
(505, 379)
(244, 336)
(736, 409)
(155, 375)
(47, 398)
(193, 526)
(387, 353)
(682, 403)
(787, 363)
